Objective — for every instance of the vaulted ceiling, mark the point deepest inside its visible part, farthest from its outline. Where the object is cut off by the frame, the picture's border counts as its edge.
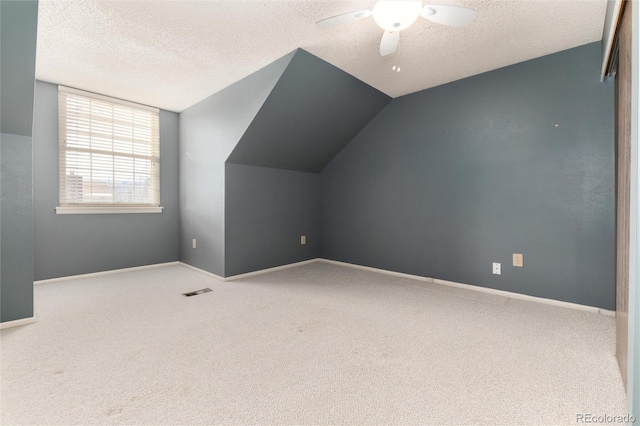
(172, 54)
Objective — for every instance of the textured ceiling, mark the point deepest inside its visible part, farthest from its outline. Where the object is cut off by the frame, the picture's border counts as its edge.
(172, 54)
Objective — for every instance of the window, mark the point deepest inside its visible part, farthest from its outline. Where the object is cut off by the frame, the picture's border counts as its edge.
(109, 155)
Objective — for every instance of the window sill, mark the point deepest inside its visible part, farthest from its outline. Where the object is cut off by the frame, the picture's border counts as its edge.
(107, 210)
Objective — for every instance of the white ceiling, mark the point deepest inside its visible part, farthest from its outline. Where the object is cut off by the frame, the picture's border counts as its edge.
(172, 54)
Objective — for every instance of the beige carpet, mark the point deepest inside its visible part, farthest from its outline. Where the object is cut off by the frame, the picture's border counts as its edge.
(315, 344)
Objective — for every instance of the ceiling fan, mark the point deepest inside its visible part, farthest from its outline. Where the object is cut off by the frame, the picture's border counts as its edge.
(395, 15)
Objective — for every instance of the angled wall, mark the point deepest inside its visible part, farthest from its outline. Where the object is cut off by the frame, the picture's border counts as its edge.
(313, 112)
(209, 131)
(519, 160)
(272, 186)
(266, 212)
(18, 29)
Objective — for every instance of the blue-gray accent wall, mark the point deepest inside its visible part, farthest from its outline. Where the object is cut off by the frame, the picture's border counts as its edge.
(518, 160)
(76, 244)
(16, 228)
(313, 112)
(271, 184)
(266, 212)
(18, 30)
(209, 131)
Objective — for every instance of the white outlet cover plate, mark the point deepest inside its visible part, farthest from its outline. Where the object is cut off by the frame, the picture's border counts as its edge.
(497, 269)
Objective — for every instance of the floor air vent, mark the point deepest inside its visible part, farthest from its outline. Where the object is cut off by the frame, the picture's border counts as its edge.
(197, 292)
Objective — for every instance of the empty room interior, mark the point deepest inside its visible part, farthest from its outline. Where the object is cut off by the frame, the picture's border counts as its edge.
(319, 212)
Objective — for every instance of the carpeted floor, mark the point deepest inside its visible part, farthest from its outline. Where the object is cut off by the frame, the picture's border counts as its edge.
(315, 344)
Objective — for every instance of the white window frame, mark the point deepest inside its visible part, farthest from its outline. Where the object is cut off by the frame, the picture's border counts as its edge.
(99, 207)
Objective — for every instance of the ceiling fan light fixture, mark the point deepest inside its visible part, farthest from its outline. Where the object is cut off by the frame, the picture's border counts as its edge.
(427, 11)
(396, 15)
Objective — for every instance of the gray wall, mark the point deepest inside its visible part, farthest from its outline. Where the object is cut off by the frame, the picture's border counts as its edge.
(16, 227)
(266, 212)
(312, 113)
(77, 244)
(519, 160)
(18, 29)
(209, 131)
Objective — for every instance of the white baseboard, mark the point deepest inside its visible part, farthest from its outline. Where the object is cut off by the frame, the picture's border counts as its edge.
(250, 274)
(99, 274)
(378, 270)
(479, 289)
(503, 293)
(274, 269)
(17, 323)
(520, 296)
(202, 271)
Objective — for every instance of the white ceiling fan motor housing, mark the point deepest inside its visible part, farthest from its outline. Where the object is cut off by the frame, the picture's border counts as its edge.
(396, 15)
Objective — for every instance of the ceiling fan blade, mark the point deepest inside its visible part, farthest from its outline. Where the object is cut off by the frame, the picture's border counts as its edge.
(345, 18)
(389, 43)
(448, 15)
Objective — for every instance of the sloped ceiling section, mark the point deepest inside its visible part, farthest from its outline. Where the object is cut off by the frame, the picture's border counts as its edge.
(313, 112)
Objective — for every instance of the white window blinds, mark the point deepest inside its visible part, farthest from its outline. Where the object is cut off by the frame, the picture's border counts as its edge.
(109, 151)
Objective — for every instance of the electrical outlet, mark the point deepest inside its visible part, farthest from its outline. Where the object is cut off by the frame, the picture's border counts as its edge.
(193, 243)
(303, 239)
(497, 269)
(518, 260)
